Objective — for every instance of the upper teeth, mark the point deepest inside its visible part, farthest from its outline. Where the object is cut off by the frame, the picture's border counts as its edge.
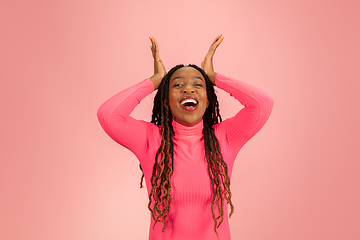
(187, 100)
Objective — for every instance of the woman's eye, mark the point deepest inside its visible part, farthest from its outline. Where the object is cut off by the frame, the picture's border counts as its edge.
(177, 85)
(198, 85)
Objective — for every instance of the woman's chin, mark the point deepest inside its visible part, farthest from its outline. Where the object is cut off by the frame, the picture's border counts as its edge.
(188, 122)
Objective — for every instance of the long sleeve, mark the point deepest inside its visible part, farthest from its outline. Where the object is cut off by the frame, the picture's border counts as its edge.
(249, 120)
(114, 117)
(191, 215)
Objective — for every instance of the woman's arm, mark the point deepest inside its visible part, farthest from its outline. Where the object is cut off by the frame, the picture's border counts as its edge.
(249, 120)
(114, 114)
(114, 117)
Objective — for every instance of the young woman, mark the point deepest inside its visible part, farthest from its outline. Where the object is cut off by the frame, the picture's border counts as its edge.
(186, 152)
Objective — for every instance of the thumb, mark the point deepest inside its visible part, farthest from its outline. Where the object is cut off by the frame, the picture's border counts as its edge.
(202, 64)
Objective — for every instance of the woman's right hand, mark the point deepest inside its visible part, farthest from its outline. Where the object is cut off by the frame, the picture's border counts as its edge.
(159, 68)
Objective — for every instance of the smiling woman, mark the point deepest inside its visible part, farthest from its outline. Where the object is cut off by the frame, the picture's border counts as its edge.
(187, 96)
(186, 152)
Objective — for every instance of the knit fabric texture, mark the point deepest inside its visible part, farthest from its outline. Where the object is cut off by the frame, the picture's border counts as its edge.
(190, 214)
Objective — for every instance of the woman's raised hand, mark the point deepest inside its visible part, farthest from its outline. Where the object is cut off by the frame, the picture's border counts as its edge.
(159, 68)
(207, 63)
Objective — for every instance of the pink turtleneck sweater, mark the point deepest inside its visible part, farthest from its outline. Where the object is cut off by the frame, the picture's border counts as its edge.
(190, 216)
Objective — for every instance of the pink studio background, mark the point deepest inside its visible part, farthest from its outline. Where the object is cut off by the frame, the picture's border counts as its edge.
(62, 177)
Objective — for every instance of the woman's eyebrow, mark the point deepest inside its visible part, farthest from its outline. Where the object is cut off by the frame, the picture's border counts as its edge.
(183, 77)
(176, 78)
(199, 78)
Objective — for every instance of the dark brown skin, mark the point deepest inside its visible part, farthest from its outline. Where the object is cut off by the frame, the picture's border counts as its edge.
(159, 68)
(207, 63)
(186, 81)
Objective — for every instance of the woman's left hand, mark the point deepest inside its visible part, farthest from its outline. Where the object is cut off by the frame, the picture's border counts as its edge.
(207, 63)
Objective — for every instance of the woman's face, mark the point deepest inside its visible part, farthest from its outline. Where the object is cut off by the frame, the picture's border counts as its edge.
(187, 96)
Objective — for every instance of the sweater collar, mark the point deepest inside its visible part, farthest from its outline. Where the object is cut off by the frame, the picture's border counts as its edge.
(181, 131)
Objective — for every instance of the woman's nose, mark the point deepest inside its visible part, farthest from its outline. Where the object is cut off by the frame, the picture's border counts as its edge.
(188, 90)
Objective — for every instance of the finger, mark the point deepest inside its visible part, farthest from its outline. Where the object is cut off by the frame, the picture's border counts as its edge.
(156, 45)
(154, 48)
(213, 47)
(216, 44)
(152, 40)
(156, 51)
(216, 39)
(152, 44)
(221, 40)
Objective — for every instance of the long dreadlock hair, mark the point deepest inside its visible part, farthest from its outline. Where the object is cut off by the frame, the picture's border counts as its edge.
(164, 165)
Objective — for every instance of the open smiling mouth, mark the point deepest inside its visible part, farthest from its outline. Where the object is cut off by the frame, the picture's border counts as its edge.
(189, 104)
